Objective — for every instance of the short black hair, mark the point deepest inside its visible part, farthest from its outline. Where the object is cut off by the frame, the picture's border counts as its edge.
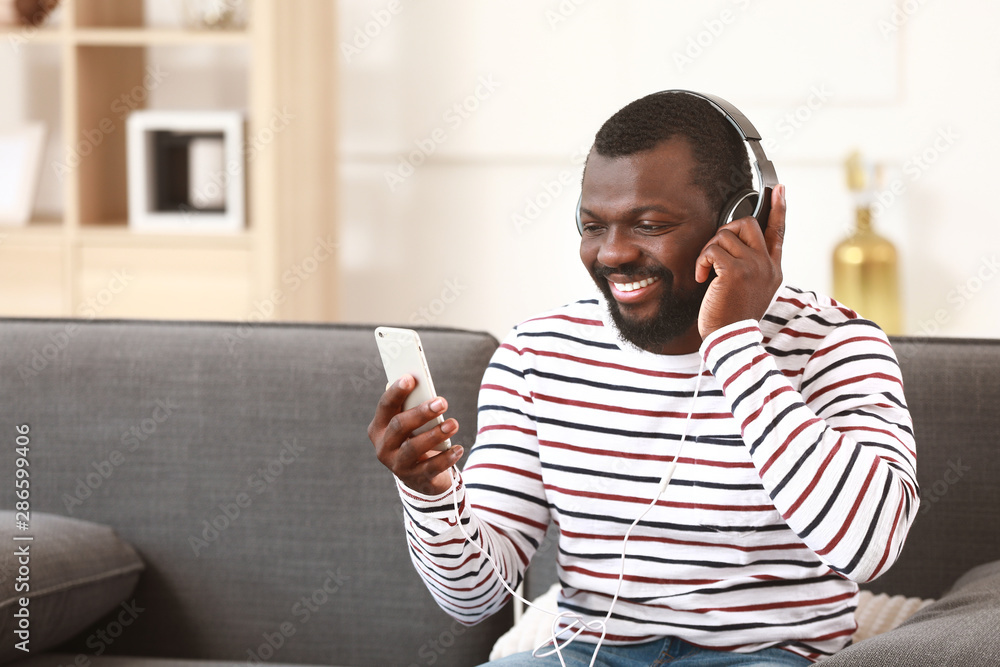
(723, 167)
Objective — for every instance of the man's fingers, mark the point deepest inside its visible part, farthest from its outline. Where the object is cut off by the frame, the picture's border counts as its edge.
(412, 458)
(389, 405)
(417, 447)
(774, 236)
(402, 424)
(709, 259)
(424, 473)
(392, 399)
(732, 239)
(742, 232)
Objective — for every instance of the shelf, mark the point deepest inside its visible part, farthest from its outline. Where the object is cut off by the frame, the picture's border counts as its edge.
(98, 66)
(120, 236)
(36, 231)
(24, 36)
(19, 35)
(156, 36)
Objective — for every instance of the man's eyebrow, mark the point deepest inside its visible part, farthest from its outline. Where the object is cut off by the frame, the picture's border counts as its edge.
(636, 211)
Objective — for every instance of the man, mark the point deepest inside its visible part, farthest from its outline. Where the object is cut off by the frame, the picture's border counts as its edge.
(795, 464)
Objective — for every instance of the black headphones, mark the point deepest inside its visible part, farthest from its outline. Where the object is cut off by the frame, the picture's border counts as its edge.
(745, 202)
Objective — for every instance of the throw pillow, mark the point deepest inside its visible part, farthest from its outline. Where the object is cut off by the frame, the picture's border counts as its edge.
(70, 574)
(962, 628)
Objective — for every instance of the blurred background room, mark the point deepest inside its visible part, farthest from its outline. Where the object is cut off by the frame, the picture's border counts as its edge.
(417, 162)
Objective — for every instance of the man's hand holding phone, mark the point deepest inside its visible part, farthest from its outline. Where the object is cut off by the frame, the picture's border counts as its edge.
(413, 458)
(412, 439)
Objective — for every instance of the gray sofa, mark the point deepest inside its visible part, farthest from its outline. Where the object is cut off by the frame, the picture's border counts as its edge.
(255, 524)
(235, 461)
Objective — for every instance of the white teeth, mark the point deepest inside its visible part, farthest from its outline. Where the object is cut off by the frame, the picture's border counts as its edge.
(629, 287)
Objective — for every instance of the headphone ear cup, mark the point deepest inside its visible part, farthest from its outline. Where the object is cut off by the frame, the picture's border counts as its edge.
(579, 222)
(743, 204)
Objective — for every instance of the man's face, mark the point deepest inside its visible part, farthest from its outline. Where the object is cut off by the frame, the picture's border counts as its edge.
(644, 225)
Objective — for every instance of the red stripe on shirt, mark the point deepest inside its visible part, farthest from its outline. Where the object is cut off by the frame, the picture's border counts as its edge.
(631, 411)
(854, 510)
(639, 579)
(791, 436)
(506, 390)
(784, 604)
(888, 545)
(852, 380)
(767, 399)
(644, 457)
(692, 543)
(506, 427)
(661, 503)
(510, 469)
(746, 367)
(511, 516)
(603, 364)
(725, 337)
(567, 318)
(856, 339)
(820, 470)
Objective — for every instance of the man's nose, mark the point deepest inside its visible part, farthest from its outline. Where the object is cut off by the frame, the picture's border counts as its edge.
(617, 247)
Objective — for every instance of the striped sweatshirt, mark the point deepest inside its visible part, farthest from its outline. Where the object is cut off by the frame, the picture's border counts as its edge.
(797, 479)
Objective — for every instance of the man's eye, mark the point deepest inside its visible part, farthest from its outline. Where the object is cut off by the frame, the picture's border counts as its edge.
(592, 228)
(651, 227)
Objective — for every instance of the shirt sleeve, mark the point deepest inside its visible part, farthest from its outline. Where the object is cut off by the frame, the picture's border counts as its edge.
(834, 447)
(500, 496)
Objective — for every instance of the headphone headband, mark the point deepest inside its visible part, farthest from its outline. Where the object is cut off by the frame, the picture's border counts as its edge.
(732, 114)
(766, 176)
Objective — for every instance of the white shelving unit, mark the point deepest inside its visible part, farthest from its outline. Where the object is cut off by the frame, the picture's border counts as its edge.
(279, 267)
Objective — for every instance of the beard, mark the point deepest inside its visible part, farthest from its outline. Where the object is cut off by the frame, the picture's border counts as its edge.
(674, 317)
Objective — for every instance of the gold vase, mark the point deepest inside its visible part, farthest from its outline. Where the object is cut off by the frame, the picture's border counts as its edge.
(866, 265)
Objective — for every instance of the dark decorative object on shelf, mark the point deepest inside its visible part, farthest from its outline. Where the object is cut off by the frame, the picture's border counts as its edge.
(34, 12)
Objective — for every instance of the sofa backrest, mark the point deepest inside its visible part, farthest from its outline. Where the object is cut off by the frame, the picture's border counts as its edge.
(952, 387)
(236, 460)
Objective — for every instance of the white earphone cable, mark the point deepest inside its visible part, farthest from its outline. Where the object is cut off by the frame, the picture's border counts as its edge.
(578, 620)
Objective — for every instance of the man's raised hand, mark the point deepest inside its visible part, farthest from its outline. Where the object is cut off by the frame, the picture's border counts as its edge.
(747, 264)
(412, 458)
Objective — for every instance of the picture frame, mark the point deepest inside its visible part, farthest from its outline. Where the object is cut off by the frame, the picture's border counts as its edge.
(186, 171)
(20, 167)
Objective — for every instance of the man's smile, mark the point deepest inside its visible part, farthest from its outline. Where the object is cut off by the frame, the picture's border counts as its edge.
(629, 292)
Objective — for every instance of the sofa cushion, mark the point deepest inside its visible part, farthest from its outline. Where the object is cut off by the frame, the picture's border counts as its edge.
(70, 574)
(962, 628)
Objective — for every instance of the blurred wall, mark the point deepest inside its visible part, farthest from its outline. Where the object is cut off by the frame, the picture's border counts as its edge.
(465, 125)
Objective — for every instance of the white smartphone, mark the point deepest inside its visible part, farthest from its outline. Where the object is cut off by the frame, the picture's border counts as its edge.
(402, 354)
